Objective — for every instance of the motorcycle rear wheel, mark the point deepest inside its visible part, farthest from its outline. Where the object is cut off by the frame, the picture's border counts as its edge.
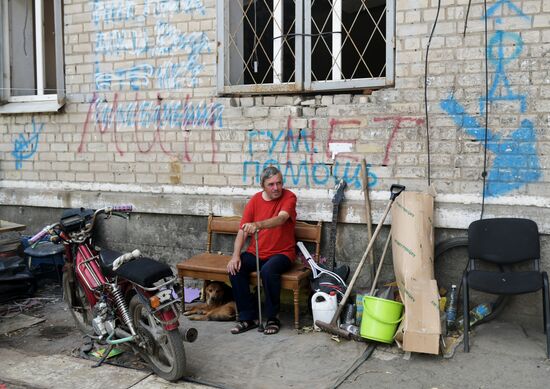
(80, 308)
(166, 356)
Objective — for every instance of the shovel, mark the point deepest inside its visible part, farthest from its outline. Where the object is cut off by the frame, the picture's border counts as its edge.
(332, 327)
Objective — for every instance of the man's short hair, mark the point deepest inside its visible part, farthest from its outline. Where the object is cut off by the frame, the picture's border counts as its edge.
(269, 172)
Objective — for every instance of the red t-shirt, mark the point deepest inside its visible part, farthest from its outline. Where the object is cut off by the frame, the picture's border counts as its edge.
(278, 240)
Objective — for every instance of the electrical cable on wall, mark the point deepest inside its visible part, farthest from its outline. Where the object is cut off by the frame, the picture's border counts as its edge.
(426, 92)
(466, 20)
(484, 173)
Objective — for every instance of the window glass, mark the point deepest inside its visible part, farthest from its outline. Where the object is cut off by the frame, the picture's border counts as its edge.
(309, 45)
(30, 62)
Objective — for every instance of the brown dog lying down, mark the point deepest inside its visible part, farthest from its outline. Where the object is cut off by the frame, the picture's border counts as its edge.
(219, 304)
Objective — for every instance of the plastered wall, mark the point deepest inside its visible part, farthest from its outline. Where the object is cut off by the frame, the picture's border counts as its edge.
(143, 123)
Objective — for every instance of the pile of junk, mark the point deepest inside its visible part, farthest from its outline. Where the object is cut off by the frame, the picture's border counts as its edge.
(412, 310)
(24, 267)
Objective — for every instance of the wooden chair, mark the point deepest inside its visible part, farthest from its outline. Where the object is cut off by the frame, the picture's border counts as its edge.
(213, 266)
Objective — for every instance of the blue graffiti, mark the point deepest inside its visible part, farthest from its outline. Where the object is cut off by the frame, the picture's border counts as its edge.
(135, 77)
(170, 40)
(113, 11)
(118, 42)
(168, 7)
(167, 40)
(167, 76)
(305, 170)
(151, 114)
(178, 75)
(500, 89)
(116, 11)
(318, 173)
(502, 3)
(286, 136)
(24, 147)
(516, 162)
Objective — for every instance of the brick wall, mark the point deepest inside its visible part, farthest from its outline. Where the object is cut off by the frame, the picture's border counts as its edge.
(176, 137)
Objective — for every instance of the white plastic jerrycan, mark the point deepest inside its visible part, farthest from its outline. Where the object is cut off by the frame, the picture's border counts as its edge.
(323, 306)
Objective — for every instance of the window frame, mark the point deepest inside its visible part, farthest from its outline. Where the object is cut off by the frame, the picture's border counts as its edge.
(358, 83)
(303, 57)
(222, 16)
(39, 102)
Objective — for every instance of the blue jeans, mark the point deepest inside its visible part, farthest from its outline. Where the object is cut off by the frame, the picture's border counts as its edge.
(270, 273)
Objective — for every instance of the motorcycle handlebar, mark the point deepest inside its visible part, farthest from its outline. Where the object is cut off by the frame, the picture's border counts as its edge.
(35, 238)
(115, 208)
(122, 208)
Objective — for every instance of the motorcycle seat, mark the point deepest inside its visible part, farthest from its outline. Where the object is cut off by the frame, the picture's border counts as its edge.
(107, 257)
(142, 271)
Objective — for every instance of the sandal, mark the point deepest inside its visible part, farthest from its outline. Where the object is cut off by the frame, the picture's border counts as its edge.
(272, 326)
(243, 326)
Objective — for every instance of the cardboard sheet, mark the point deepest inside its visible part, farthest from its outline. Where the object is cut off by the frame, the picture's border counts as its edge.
(413, 262)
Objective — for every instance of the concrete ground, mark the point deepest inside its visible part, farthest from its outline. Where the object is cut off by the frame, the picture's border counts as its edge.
(45, 355)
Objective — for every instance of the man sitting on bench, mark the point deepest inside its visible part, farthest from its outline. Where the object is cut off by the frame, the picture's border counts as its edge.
(271, 212)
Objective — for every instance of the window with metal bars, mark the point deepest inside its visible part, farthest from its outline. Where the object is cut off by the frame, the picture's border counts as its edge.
(282, 46)
(31, 56)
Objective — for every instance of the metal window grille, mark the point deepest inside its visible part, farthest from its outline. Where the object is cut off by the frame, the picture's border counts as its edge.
(304, 45)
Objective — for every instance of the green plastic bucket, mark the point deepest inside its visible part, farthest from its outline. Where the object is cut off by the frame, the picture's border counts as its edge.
(380, 319)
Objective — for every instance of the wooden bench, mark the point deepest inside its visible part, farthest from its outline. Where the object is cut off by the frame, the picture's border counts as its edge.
(213, 266)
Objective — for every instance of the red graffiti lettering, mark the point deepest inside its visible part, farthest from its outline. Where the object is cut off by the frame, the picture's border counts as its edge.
(397, 125)
(333, 123)
(312, 138)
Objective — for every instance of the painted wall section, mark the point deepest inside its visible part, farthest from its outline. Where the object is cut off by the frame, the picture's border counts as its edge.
(515, 162)
(26, 144)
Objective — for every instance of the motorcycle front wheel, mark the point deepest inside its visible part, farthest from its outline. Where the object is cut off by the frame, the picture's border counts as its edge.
(162, 350)
(78, 305)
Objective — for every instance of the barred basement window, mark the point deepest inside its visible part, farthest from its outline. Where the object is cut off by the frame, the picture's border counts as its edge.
(31, 56)
(270, 46)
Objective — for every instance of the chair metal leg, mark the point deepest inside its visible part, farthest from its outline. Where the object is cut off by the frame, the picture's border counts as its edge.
(544, 302)
(546, 311)
(466, 314)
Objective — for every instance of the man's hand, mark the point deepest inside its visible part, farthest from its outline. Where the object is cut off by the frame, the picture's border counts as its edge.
(234, 265)
(250, 228)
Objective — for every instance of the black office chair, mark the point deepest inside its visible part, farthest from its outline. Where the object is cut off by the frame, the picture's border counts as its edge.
(505, 242)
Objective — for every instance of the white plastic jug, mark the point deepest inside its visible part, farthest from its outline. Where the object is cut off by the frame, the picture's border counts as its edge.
(323, 306)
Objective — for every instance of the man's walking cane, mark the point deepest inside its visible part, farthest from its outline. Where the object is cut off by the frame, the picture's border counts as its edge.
(261, 326)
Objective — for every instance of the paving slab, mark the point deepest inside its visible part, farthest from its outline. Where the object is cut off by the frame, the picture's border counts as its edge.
(502, 355)
(62, 372)
(10, 324)
(154, 382)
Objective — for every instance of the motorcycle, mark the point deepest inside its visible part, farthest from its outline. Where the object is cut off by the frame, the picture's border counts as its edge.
(118, 298)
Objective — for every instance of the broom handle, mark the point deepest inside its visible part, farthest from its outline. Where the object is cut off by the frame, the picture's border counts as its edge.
(380, 264)
(365, 176)
(360, 266)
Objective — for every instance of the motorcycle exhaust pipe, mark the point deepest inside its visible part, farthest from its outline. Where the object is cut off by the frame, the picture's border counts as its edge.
(190, 335)
(120, 333)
